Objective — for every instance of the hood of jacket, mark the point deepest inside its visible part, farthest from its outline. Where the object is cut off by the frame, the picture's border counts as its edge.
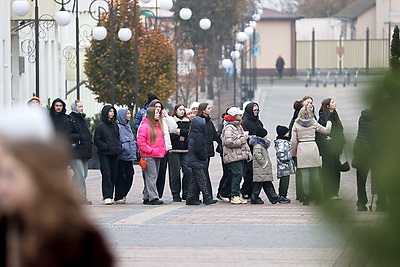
(254, 140)
(104, 114)
(248, 112)
(198, 124)
(154, 102)
(305, 122)
(52, 110)
(121, 116)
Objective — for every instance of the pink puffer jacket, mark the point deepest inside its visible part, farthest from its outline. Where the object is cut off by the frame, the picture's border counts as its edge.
(147, 149)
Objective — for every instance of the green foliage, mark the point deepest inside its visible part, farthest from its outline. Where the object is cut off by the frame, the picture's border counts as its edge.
(395, 50)
(156, 61)
(92, 122)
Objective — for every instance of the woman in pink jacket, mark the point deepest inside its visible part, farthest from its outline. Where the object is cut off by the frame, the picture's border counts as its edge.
(152, 147)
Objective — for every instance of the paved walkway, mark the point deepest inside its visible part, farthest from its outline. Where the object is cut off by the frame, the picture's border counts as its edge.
(232, 235)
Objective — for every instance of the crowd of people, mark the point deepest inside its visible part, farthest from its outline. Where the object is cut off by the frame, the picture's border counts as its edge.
(182, 142)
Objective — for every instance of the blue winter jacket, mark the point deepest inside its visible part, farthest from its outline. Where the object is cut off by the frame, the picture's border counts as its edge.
(129, 146)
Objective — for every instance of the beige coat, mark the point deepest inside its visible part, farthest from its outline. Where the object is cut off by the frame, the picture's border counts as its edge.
(234, 144)
(262, 166)
(303, 142)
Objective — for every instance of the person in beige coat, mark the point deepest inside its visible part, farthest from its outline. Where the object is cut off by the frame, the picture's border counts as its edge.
(262, 171)
(305, 149)
(235, 150)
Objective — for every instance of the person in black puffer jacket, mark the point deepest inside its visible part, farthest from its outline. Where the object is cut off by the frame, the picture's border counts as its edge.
(198, 161)
(251, 123)
(204, 111)
(106, 138)
(79, 135)
(58, 115)
(178, 155)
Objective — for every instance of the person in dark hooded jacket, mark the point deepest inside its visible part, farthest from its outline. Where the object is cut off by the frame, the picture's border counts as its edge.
(79, 135)
(251, 123)
(58, 115)
(142, 112)
(106, 138)
(126, 157)
(198, 161)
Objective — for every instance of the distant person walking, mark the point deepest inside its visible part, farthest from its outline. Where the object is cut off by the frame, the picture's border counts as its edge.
(280, 65)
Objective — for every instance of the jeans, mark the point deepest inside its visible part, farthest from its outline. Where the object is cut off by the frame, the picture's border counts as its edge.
(124, 180)
(109, 173)
(80, 168)
(284, 185)
(236, 169)
(150, 182)
(177, 161)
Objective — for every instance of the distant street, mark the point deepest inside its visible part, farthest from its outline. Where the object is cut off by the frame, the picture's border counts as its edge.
(234, 235)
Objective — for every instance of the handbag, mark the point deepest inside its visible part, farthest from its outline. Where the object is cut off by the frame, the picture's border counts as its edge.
(142, 163)
(345, 166)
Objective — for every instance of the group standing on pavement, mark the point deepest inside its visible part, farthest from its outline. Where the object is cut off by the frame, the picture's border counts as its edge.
(183, 143)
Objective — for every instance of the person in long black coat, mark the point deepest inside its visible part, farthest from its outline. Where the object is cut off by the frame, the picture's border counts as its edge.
(211, 136)
(80, 137)
(106, 138)
(251, 123)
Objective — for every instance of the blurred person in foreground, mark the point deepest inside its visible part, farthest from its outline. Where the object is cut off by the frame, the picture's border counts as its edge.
(41, 220)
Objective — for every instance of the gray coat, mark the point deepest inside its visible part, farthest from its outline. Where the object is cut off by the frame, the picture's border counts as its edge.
(262, 165)
(285, 163)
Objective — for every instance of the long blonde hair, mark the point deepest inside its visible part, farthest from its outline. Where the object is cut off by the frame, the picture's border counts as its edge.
(305, 113)
(150, 113)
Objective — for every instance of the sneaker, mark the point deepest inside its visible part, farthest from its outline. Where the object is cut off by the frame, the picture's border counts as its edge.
(223, 199)
(120, 201)
(210, 201)
(146, 201)
(257, 201)
(190, 201)
(284, 200)
(156, 202)
(361, 207)
(236, 200)
(176, 199)
(108, 201)
(336, 197)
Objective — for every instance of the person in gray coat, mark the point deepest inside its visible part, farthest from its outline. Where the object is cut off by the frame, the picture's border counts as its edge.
(126, 158)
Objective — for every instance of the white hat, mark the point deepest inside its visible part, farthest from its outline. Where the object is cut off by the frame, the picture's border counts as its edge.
(194, 105)
(233, 111)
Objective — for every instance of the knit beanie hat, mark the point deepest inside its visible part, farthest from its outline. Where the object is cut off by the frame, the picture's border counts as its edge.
(281, 131)
(151, 97)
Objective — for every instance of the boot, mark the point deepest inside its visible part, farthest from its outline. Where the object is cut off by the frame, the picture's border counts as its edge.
(191, 201)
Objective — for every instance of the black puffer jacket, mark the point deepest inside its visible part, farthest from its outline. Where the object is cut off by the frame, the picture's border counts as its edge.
(197, 155)
(335, 145)
(79, 135)
(106, 135)
(210, 136)
(179, 138)
(58, 119)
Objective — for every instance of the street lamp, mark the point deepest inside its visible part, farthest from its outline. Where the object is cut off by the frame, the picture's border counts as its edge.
(21, 8)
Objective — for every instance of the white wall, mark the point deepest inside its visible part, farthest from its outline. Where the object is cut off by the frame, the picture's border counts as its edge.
(5, 52)
(325, 29)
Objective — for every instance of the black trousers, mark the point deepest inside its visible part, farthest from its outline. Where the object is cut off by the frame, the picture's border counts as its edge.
(330, 174)
(247, 186)
(161, 175)
(224, 188)
(176, 162)
(109, 174)
(198, 183)
(269, 190)
(124, 180)
(284, 185)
